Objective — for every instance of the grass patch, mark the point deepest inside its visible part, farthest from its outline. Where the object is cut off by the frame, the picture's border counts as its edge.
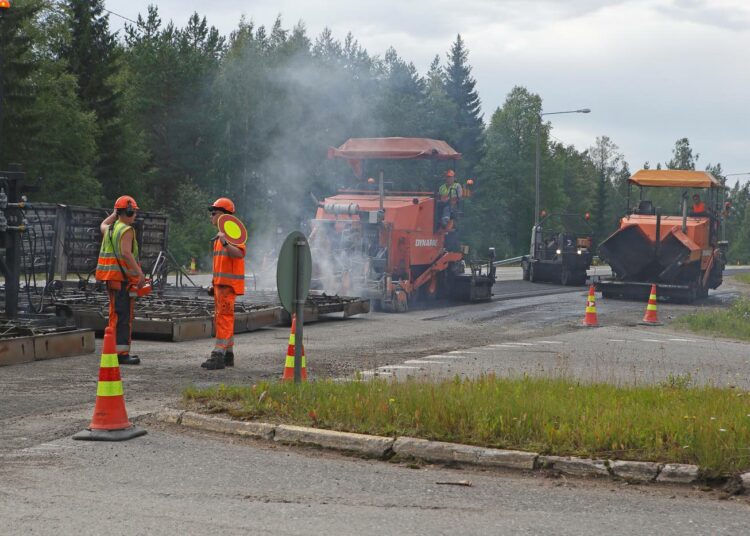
(674, 422)
(731, 322)
(743, 278)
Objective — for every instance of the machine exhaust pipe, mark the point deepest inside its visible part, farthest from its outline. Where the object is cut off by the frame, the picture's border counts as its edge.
(349, 209)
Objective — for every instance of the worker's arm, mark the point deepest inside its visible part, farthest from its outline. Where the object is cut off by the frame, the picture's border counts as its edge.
(232, 250)
(106, 222)
(126, 246)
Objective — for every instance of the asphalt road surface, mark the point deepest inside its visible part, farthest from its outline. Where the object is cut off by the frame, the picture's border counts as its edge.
(195, 483)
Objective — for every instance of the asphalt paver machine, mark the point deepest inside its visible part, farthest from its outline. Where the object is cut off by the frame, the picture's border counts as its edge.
(393, 247)
(679, 250)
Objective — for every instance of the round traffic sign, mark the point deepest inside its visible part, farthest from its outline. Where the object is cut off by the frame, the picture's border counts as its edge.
(233, 228)
(293, 257)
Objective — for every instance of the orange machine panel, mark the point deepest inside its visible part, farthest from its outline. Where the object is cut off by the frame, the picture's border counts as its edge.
(697, 227)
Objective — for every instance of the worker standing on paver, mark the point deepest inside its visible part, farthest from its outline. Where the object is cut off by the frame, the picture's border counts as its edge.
(118, 267)
(228, 282)
(450, 193)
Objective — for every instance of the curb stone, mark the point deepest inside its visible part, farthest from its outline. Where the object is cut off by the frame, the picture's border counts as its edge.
(638, 471)
(169, 415)
(679, 473)
(369, 445)
(454, 452)
(228, 426)
(575, 466)
(381, 447)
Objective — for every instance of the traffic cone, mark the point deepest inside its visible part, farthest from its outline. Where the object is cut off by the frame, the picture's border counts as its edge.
(651, 318)
(288, 375)
(110, 420)
(590, 318)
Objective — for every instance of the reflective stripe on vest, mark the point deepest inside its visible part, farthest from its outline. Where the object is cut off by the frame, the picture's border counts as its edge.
(108, 267)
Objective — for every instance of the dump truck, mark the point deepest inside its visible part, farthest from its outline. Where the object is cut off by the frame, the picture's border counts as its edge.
(679, 250)
(394, 247)
(561, 250)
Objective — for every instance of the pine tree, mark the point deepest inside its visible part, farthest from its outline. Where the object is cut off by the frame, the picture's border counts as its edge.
(19, 122)
(93, 57)
(468, 125)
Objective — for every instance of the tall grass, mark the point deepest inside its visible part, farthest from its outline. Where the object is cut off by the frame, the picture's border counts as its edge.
(731, 322)
(670, 423)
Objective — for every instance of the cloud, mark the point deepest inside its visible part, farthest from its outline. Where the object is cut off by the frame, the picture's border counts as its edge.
(722, 14)
(652, 71)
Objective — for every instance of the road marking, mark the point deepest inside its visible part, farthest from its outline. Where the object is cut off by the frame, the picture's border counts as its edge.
(422, 361)
(550, 342)
(616, 340)
(682, 340)
(396, 367)
(651, 340)
(444, 356)
(462, 352)
(522, 343)
(502, 346)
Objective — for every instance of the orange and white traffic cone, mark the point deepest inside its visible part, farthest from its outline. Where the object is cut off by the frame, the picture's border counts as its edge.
(288, 375)
(110, 421)
(651, 318)
(590, 318)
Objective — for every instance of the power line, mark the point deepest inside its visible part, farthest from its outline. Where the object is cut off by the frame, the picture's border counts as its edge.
(118, 15)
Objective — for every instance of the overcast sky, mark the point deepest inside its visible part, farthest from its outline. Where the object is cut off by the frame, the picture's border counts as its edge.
(652, 71)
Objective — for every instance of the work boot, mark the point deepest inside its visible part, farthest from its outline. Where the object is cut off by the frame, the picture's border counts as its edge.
(127, 359)
(216, 361)
(229, 358)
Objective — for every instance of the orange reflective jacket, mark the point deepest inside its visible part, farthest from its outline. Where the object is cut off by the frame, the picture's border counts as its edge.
(111, 263)
(228, 270)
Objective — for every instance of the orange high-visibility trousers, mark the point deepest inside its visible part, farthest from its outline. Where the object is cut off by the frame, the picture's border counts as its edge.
(121, 305)
(224, 297)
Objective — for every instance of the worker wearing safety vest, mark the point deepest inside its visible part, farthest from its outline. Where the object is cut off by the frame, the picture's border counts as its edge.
(228, 282)
(699, 207)
(118, 267)
(450, 193)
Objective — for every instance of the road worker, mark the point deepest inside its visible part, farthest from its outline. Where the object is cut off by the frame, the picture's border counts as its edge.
(118, 267)
(228, 282)
(449, 192)
(699, 208)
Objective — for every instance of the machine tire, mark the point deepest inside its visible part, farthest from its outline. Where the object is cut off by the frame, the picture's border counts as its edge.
(532, 275)
(566, 278)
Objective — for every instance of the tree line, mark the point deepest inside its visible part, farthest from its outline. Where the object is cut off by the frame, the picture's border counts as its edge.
(179, 115)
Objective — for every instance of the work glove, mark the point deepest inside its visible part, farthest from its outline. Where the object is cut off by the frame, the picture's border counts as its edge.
(210, 290)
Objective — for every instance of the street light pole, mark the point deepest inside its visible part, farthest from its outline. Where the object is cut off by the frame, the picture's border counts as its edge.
(537, 163)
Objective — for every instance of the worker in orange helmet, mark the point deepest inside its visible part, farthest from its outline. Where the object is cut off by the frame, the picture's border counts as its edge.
(228, 282)
(449, 193)
(118, 267)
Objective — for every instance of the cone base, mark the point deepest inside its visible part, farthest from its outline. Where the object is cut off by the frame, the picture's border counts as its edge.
(110, 435)
(647, 323)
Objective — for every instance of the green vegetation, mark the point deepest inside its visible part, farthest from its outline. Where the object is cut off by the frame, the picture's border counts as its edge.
(673, 422)
(733, 322)
(743, 278)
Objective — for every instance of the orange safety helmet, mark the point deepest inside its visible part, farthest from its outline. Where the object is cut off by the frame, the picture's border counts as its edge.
(223, 203)
(450, 173)
(125, 201)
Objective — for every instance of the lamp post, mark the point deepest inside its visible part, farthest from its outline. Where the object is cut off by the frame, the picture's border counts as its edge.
(4, 6)
(538, 155)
